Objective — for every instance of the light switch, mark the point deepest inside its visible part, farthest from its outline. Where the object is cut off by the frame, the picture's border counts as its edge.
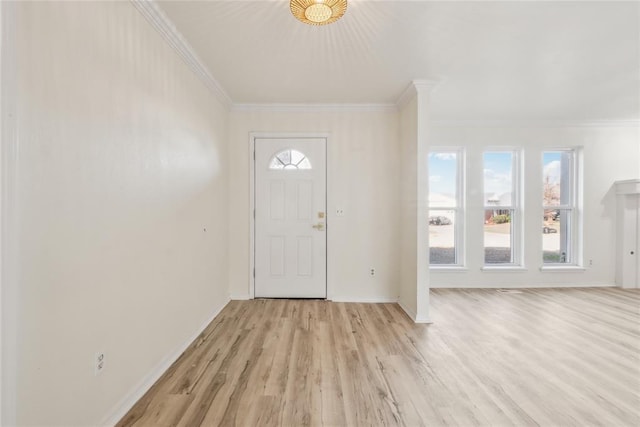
(339, 212)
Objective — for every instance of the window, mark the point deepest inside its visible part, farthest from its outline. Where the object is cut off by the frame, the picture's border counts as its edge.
(446, 207)
(501, 208)
(559, 206)
(289, 159)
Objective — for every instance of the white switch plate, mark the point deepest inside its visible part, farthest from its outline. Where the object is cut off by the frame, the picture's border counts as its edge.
(339, 212)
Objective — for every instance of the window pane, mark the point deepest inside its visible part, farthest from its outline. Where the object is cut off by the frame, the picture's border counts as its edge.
(285, 157)
(498, 178)
(497, 236)
(442, 237)
(304, 164)
(289, 160)
(296, 157)
(555, 236)
(556, 178)
(443, 179)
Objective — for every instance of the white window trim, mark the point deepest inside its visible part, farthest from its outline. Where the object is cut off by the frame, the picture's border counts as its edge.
(562, 268)
(460, 210)
(517, 205)
(504, 268)
(448, 268)
(576, 217)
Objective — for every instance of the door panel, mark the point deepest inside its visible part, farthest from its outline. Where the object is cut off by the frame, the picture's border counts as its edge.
(290, 223)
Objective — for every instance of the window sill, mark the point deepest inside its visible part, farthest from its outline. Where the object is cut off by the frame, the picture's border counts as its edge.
(448, 269)
(504, 269)
(562, 268)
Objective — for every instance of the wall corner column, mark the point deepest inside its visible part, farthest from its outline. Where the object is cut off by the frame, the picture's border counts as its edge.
(8, 223)
(414, 131)
(423, 93)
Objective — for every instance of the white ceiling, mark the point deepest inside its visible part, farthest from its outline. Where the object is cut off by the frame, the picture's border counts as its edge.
(509, 60)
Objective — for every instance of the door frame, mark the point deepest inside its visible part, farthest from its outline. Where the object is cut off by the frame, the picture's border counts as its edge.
(252, 197)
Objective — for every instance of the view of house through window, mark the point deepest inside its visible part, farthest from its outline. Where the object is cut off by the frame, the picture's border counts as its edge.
(445, 207)
(502, 228)
(558, 205)
(500, 207)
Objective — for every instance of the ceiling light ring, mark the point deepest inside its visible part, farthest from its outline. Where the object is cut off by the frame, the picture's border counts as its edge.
(315, 12)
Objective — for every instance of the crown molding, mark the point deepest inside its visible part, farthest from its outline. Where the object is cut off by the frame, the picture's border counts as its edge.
(157, 18)
(411, 92)
(314, 108)
(407, 95)
(425, 85)
(536, 123)
(415, 87)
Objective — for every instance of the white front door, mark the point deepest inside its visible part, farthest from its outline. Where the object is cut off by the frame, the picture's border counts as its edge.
(290, 218)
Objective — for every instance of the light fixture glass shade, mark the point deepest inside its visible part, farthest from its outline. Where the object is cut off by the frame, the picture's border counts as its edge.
(318, 12)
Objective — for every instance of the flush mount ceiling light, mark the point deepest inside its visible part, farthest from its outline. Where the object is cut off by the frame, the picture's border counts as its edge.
(318, 12)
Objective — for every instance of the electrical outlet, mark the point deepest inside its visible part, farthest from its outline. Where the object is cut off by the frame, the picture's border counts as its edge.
(373, 272)
(590, 263)
(98, 363)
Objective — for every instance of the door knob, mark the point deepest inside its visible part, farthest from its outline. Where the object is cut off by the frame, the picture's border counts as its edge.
(319, 226)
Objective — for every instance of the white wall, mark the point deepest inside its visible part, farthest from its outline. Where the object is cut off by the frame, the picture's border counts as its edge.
(609, 154)
(362, 178)
(414, 236)
(121, 167)
(408, 118)
(2, 228)
(123, 160)
(8, 284)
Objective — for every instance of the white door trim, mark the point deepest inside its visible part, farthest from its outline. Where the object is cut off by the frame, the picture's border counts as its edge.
(252, 197)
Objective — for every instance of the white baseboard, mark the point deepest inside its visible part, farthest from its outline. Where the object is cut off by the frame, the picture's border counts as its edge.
(524, 286)
(127, 402)
(410, 313)
(375, 300)
(422, 320)
(413, 315)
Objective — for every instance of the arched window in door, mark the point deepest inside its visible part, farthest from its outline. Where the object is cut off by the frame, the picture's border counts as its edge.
(289, 159)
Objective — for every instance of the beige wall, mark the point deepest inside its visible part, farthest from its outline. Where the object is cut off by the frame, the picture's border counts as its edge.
(408, 118)
(609, 154)
(362, 178)
(121, 167)
(414, 236)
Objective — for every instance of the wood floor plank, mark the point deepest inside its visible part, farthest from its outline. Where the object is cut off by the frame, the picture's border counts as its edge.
(545, 357)
(333, 413)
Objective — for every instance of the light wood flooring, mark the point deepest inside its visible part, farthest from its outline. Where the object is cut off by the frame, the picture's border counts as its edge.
(552, 357)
